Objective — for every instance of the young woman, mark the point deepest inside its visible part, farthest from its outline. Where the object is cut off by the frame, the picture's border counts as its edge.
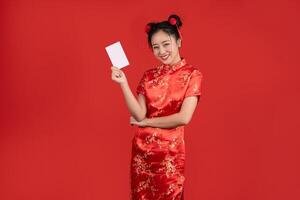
(167, 96)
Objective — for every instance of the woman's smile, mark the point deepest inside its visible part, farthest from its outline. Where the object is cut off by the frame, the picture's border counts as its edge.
(164, 57)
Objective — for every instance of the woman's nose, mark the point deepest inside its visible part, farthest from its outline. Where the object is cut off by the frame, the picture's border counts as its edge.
(162, 51)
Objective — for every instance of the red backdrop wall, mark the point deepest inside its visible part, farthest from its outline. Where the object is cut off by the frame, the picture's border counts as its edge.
(65, 130)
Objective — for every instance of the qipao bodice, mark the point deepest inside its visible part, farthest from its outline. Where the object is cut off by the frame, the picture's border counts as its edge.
(165, 87)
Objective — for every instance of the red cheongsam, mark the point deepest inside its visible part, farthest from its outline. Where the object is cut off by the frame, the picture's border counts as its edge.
(158, 154)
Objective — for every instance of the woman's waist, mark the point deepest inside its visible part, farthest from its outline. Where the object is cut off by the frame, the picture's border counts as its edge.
(168, 133)
(161, 130)
(159, 139)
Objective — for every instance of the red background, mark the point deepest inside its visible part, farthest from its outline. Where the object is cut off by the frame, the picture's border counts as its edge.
(65, 130)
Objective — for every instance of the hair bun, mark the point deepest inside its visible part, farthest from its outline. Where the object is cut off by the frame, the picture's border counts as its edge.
(148, 27)
(175, 20)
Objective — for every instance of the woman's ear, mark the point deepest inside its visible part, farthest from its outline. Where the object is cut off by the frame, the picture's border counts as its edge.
(179, 42)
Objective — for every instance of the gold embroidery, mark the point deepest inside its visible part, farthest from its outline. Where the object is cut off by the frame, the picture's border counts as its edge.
(174, 186)
(170, 189)
(153, 189)
(173, 143)
(147, 184)
(169, 166)
(182, 79)
(153, 138)
(159, 81)
(141, 166)
(143, 185)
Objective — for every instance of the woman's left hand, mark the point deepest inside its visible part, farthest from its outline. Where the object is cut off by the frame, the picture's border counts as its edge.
(138, 123)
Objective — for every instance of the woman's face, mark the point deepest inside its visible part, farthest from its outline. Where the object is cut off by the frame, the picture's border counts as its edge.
(165, 47)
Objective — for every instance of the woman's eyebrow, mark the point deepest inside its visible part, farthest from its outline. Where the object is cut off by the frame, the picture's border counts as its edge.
(161, 42)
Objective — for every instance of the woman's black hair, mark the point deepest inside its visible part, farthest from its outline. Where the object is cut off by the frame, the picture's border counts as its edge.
(165, 26)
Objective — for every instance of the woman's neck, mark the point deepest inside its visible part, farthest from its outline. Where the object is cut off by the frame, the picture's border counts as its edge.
(177, 60)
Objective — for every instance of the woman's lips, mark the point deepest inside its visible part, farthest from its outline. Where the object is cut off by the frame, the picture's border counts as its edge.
(164, 57)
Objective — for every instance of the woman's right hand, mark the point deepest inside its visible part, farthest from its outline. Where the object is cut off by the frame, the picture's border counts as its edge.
(118, 75)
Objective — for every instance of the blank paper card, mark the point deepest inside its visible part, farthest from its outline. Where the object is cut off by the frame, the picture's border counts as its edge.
(117, 55)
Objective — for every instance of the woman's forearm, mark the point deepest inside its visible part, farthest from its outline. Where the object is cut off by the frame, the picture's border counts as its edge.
(131, 101)
(183, 117)
(170, 121)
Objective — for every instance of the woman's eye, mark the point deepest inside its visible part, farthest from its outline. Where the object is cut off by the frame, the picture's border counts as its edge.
(167, 44)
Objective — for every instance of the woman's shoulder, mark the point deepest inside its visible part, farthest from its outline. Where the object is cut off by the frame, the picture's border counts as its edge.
(193, 68)
(149, 73)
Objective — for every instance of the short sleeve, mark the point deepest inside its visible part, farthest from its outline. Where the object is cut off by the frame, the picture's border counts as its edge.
(141, 86)
(195, 84)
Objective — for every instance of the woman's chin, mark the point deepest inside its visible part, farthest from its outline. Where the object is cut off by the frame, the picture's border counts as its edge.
(166, 62)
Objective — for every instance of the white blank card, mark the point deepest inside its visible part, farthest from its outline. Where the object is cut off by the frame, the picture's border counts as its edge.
(117, 55)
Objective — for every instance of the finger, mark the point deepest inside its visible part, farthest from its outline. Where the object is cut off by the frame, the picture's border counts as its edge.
(114, 77)
(115, 69)
(116, 74)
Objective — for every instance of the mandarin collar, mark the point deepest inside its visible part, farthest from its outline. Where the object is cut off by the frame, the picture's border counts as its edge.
(174, 67)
